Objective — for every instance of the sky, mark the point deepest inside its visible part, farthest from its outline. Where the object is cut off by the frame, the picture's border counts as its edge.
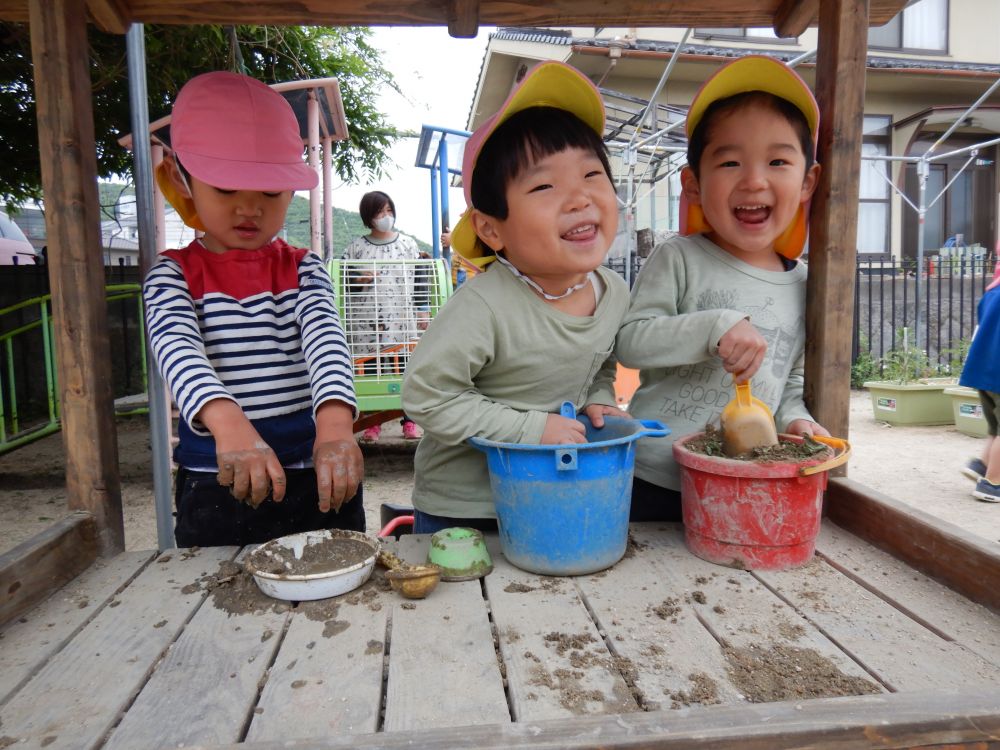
(437, 75)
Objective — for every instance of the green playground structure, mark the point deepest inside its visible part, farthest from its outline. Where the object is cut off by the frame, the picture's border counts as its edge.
(399, 292)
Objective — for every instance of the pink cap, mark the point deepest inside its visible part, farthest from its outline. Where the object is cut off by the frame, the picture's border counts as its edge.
(234, 132)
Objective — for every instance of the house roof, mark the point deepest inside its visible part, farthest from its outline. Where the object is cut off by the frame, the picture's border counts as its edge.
(874, 61)
(463, 17)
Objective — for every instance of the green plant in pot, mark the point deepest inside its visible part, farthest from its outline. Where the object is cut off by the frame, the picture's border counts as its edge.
(908, 392)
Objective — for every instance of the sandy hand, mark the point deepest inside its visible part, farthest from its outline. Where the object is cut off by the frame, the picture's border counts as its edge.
(742, 351)
(339, 470)
(562, 430)
(250, 473)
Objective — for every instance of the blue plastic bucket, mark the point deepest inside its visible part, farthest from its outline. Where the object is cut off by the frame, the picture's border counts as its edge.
(563, 509)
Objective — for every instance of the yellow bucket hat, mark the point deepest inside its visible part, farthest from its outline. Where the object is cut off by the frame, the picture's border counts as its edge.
(754, 73)
(548, 84)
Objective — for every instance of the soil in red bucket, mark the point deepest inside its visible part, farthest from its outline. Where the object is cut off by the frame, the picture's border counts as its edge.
(786, 451)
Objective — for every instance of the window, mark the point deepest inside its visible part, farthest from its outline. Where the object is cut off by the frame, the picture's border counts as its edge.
(751, 34)
(875, 192)
(921, 26)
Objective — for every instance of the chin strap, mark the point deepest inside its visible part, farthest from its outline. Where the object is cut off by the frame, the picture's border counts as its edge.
(534, 285)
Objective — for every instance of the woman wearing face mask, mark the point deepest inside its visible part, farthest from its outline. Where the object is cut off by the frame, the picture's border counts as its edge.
(386, 302)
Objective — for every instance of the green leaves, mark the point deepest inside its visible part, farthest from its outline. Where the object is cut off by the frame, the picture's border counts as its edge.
(175, 54)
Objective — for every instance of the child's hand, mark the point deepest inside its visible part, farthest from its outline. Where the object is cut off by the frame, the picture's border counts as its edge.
(561, 430)
(806, 428)
(339, 469)
(337, 458)
(742, 350)
(247, 465)
(597, 412)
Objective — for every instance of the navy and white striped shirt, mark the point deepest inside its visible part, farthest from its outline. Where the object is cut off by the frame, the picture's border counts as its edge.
(259, 327)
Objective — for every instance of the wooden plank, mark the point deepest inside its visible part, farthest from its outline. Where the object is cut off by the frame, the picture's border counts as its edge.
(955, 719)
(794, 16)
(962, 561)
(75, 699)
(109, 15)
(443, 668)
(493, 12)
(840, 93)
(463, 18)
(327, 677)
(36, 635)
(31, 571)
(76, 270)
(951, 614)
(557, 662)
(206, 686)
(755, 628)
(643, 605)
(901, 653)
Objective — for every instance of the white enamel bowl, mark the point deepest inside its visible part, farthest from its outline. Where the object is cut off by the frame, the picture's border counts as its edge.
(302, 588)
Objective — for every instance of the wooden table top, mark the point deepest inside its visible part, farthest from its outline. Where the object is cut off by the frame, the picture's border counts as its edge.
(138, 653)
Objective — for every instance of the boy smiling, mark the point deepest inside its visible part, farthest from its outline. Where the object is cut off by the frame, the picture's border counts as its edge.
(726, 302)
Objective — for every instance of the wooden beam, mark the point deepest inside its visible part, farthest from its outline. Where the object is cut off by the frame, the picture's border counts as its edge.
(794, 16)
(463, 18)
(840, 92)
(76, 269)
(109, 15)
(964, 562)
(942, 719)
(678, 13)
(37, 567)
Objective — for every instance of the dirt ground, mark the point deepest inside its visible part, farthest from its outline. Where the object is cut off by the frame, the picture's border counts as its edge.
(916, 465)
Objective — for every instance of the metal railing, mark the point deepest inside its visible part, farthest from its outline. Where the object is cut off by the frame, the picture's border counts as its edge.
(885, 303)
(22, 419)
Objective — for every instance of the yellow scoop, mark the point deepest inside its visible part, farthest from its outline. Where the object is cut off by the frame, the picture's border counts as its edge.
(746, 423)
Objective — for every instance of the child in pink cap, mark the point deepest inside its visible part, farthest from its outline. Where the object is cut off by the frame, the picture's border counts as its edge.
(245, 330)
(726, 302)
(537, 327)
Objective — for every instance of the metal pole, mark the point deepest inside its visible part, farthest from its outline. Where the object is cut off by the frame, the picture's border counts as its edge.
(444, 176)
(315, 220)
(923, 172)
(159, 414)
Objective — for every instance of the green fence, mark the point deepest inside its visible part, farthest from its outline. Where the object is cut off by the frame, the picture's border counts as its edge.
(18, 425)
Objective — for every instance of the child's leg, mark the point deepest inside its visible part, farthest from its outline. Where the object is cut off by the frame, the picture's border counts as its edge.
(991, 452)
(650, 502)
(991, 459)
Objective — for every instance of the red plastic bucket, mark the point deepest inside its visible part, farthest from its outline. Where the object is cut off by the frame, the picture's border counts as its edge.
(755, 516)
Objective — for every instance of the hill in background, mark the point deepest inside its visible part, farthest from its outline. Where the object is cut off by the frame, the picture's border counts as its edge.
(346, 224)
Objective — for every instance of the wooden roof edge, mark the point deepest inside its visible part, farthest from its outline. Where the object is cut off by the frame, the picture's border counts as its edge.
(464, 17)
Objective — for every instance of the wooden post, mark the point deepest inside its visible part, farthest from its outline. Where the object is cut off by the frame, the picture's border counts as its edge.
(76, 271)
(840, 92)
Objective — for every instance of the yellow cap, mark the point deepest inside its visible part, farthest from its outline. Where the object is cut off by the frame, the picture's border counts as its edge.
(755, 73)
(548, 84)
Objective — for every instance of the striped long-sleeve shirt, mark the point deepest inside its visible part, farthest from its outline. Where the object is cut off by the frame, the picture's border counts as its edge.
(258, 327)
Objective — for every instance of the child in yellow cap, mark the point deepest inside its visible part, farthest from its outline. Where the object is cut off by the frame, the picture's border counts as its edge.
(244, 329)
(537, 327)
(726, 302)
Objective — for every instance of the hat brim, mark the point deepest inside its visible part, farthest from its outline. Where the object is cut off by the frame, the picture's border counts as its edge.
(464, 239)
(755, 73)
(182, 203)
(229, 174)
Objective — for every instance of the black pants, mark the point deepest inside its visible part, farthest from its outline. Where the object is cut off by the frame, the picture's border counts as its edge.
(209, 516)
(650, 502)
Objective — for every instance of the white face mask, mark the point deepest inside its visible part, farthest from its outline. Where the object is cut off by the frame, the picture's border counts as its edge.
(383, 223)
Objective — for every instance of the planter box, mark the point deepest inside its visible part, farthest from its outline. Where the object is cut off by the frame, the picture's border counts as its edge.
(921, 402)
(968, 411)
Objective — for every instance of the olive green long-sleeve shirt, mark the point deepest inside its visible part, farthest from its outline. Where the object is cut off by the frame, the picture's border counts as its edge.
(688, 294)
(494, 363)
